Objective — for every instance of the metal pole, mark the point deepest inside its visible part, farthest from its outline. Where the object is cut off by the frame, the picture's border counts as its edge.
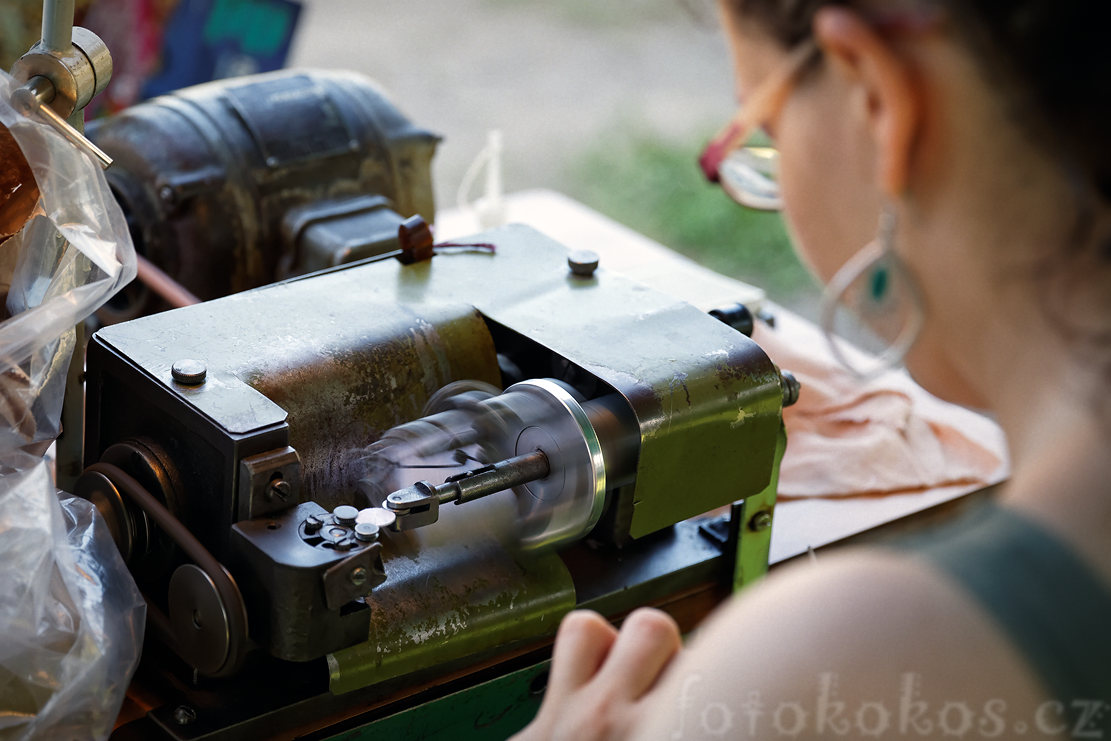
(57, 25)
(57, 37)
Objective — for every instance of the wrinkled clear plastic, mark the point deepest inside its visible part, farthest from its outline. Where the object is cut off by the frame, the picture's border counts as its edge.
(71, 618)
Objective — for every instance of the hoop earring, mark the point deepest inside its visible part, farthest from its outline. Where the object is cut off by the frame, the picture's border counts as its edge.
(872, 308)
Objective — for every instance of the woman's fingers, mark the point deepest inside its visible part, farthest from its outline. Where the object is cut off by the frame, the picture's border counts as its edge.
(582, 644)
(599, 675)
(648, 640)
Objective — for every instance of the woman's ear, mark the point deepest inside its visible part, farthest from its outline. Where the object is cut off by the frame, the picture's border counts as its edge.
(867, 62)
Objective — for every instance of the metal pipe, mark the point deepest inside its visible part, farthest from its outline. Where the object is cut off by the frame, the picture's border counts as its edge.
(57, 25)
(496, 477)
(168, 289)
(34, 97)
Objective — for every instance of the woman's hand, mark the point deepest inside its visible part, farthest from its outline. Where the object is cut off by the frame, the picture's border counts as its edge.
(599, 676)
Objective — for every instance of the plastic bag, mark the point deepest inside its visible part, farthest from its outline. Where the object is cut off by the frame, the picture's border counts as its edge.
(71, 618)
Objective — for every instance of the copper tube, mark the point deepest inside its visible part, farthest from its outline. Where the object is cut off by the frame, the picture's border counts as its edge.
(165, 287)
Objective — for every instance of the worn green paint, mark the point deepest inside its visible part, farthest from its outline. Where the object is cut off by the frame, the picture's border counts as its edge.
(492, 710)
(437, 619)
(752, 545)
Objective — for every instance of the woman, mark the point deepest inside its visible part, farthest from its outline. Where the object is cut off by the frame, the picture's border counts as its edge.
(976, 133)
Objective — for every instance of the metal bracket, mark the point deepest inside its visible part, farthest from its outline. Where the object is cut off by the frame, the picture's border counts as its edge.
(415, 506)
(354, 577)
(269, 482)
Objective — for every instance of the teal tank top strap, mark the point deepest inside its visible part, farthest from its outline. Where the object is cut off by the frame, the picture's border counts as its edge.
(1054, 609)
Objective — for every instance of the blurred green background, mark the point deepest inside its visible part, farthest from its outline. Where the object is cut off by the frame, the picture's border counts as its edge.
(606, 102)
(655, 186)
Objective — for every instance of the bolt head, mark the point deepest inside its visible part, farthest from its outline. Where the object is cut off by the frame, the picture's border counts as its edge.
(791, 388)
(760, 521)
(189, 372)
(345, 514)
(366, 532)
(184, 715)
(280, 489)
(583, 263)
(358, 576)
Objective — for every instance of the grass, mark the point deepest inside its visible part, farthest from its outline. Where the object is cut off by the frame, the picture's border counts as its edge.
(655, 187)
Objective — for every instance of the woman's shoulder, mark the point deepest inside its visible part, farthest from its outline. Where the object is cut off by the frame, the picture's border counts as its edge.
(866, 637)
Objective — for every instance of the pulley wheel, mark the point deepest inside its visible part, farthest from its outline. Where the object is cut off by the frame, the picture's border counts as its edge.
(545, 415)
(199, 620)
(99, 489)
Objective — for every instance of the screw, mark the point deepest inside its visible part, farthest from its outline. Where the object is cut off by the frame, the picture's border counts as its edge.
(280, 489)
(189, 372)
(583, 263)
(345, 514)
(184, 715)
(313, 524)
(791, 387)
(358, 576)
(762, 520)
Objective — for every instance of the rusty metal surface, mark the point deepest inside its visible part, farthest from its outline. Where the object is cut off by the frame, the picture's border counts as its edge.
(207, 176)
(339, 365)
(351, 353)
(447, 598)
(327, 364)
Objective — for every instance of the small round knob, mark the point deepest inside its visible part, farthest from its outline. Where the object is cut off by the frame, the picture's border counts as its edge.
(189, 372)
(366, 532)
(583, 263)
(345, 514)
(791, 387)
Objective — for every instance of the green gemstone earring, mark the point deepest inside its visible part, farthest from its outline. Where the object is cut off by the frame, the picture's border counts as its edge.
(872, 309)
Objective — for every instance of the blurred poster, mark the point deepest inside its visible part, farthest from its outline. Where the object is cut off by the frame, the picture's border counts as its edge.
(162, 45)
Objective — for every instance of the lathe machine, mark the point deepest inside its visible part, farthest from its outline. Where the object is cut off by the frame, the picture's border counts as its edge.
(359, 501)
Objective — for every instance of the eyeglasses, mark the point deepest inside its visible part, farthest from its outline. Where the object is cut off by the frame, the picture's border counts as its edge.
(749, 174)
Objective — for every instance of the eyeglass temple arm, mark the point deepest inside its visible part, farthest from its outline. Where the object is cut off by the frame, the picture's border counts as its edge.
(765, 98)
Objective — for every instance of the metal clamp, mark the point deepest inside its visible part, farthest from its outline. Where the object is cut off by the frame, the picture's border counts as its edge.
(34, 97)
(61, 74)
(415, 506)
(419, 504)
